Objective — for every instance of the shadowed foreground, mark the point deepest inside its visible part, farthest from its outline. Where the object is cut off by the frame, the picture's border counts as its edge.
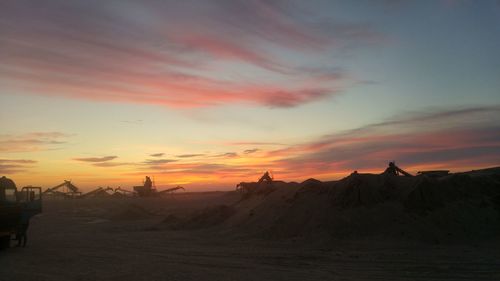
(252, 236)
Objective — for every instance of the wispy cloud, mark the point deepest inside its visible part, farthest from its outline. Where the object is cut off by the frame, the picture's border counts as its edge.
(457, 139)
(444, 138)
(102, 53)
(157, 154)
(258, 143)
(250, 151)
(158, 161)
(189, 155)
(14, 166)
(227, 155)
(96, 159)
(111, 164)
(35, 141)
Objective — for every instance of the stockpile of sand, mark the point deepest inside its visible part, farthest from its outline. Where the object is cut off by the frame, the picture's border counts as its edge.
(132, 212)
(456, 207)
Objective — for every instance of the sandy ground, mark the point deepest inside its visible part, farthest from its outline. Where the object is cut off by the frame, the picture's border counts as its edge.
(116, 239)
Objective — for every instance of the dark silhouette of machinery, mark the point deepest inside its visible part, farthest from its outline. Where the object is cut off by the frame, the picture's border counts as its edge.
(98, 192)
(148, 189)
(395, 170)
(246, 187)
(65, 189)
(16, 209)
(170, 190)
(435, 173)
(266, 178)
(123, 192)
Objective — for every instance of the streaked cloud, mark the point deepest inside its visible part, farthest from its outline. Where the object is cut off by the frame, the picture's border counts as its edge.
(157, 154)
(457, 139)
(227, 155)
(158, 161)
(444, 139)
(96, 159)
(100, 52)
(250, 151)
(246, 143)
(189, 155)
(110, 164)
(15, 166)
(35, 141)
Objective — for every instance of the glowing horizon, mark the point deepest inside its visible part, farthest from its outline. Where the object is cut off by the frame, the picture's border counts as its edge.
(206, 94)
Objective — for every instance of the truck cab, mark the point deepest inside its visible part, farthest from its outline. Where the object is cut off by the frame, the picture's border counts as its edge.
(15, 206)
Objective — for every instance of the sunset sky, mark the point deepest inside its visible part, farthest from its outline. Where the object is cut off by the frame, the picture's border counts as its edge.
(210, 93)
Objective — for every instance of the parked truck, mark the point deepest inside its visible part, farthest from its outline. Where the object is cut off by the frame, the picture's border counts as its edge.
(16, 208)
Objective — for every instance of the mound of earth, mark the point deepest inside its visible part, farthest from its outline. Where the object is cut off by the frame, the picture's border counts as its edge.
(207, 217)
(456, 207)
(132, 212)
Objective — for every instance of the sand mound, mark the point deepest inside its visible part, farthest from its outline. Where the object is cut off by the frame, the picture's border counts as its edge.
(207, 217)
(132, 212)
(456, 207)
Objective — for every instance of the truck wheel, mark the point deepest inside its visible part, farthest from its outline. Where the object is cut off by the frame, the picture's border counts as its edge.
(4, 242)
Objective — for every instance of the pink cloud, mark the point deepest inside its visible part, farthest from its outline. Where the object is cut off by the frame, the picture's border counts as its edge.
(178, 57)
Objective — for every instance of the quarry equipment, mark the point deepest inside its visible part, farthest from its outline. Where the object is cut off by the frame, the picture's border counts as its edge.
(148, 189)
(121, 191)
(395, 170)
(16, 208)
(246, 187)
(266, 178)
(434, 174)
(170, 190)
(65, 189)
(101, 191)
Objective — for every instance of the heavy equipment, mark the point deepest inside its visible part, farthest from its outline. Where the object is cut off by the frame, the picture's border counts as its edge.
(148, 189)
(434, 173)
(395, 170)
(266, 177)
(68, 190)
(98, 192)
(123, 192)
(170, 190)
(265, 180)
(16, 208)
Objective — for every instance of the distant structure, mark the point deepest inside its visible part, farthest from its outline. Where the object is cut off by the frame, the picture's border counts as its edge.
(65, 189)
(266, 178)
(247, 187)
(434, 174)
(98, 192)
(147, 189)
(395, 170)
(123, 192)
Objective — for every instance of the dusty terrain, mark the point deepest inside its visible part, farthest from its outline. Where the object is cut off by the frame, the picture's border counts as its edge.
(364, 227)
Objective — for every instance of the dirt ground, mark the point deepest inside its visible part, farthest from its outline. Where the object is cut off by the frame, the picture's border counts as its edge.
(118, 239)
